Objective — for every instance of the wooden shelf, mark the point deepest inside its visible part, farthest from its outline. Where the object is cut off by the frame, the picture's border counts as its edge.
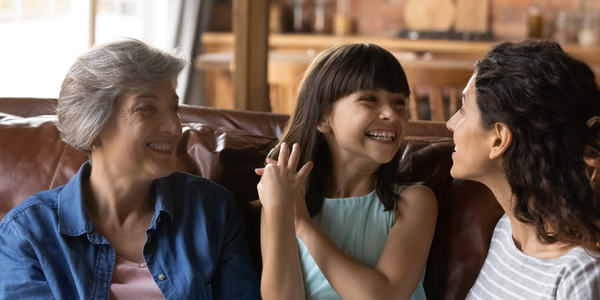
(438, 64)
(220, 42)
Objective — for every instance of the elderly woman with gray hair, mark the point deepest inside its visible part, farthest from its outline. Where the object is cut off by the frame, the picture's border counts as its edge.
(126, 226)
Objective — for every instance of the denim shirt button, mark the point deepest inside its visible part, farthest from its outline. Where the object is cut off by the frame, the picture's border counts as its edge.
(161, 276)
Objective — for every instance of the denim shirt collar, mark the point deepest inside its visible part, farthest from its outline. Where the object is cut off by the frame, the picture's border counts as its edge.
(75, 220)
(163, 202)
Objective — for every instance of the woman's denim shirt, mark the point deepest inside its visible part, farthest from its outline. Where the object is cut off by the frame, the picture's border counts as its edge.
(195, 246)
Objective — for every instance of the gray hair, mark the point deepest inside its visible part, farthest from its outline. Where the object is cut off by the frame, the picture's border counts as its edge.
(101, 76)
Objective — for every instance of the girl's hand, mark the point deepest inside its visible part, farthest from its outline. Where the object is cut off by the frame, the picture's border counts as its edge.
(280, 184)
(261, 171)
(301, 211)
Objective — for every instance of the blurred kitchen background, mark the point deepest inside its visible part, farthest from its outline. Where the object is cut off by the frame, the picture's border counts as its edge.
(437, 41)
(567, 21)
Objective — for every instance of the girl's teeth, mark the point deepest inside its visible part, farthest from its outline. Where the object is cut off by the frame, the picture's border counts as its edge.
(160, 147)
(383, 138)
(382, 134)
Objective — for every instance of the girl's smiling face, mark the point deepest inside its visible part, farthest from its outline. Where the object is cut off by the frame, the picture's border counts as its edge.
(366, 127)
(473, 142)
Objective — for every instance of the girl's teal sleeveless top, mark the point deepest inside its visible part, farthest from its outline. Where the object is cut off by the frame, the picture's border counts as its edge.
(359, 226)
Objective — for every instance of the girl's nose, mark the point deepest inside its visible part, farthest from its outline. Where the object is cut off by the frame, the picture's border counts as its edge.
(389, 113)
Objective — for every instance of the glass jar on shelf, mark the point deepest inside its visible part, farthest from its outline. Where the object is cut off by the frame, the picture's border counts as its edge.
(322, 19)
(566, 27)
(589, 33)
(301, 16)
(534, 22)
(342, 23)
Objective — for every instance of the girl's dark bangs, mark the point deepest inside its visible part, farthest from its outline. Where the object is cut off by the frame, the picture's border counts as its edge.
(362, 67)
(379, 70)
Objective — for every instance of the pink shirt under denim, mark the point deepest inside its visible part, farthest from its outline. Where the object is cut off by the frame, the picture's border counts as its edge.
(131, 280)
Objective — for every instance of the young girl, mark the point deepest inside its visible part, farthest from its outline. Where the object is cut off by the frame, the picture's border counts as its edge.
(529, 130)
(345, 229)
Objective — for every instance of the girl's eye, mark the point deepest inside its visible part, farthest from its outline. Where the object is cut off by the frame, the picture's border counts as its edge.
(400, 102)
(370, 99)
(462, 110)
(176, 109)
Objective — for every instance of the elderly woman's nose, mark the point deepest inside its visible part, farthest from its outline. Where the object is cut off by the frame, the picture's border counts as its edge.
(170, 122)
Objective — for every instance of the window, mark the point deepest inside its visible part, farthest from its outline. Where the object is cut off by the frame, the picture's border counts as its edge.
(40, 39)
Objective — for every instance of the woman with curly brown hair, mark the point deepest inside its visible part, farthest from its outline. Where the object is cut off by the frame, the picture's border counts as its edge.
(529, 129)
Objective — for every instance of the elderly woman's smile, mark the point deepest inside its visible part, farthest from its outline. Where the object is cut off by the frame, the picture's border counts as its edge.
(161, 148)
(141, 137)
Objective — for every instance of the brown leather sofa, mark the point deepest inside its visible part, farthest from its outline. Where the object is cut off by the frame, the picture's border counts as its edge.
(225, 146)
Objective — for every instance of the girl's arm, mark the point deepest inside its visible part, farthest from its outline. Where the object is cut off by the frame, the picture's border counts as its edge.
(402, 262)
(279, 187)
(281, 276)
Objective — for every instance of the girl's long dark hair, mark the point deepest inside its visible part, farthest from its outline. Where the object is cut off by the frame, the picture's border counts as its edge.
(552, 165)
(335, 73)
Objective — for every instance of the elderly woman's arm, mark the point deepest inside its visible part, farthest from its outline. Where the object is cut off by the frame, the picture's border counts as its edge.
(235, 277)
(21, 275)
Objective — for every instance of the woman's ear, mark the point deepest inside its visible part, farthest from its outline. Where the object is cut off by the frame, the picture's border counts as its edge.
(324, 126)
(502, 139)
(96, 143)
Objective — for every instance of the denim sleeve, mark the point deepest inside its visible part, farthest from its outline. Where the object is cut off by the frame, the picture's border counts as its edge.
(235, 278)
(21, 276)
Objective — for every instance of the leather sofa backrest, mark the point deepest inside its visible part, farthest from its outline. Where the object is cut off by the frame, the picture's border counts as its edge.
(262, 123)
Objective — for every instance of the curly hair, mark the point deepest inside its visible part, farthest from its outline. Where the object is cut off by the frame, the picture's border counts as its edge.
(101, 76)
(552, 165)
(335, 73)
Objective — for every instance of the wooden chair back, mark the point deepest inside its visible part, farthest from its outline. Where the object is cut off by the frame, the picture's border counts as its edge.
(437, 75)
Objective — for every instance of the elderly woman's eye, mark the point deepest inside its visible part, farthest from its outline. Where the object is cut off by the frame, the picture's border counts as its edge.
(146, 109)
(176, 109)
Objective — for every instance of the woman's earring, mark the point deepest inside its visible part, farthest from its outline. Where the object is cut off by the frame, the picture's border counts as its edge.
(93, 147)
